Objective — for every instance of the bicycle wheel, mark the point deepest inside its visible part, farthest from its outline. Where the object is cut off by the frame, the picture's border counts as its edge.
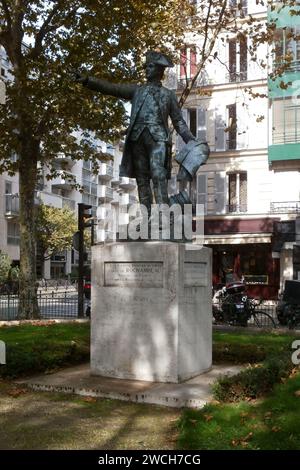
(263, 319)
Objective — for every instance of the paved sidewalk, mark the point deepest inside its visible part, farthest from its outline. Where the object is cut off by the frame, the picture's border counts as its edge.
(194, 393)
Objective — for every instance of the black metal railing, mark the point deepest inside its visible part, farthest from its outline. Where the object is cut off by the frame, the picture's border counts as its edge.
(52, 304)
(283, 207)
(236, 208)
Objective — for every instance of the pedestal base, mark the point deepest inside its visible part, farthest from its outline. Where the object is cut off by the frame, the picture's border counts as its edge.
(151, 311)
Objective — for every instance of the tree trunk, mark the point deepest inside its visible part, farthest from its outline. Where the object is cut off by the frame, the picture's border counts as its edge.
(28, 305)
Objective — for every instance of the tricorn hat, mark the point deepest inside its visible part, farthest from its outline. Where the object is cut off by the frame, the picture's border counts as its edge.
(158, 58)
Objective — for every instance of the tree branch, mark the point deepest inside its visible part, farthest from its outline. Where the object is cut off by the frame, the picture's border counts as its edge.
(205, 54)
(47, 27)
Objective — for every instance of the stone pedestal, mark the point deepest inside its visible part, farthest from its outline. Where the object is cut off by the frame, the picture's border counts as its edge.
(151, 311)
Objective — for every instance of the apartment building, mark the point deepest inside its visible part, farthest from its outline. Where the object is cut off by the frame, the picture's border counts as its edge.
(239, 186)
(284, 139)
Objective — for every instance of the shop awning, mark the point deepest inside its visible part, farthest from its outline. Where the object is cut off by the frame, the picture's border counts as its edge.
(237, 239)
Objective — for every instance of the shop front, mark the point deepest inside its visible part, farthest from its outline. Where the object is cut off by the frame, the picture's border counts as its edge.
(244, 254)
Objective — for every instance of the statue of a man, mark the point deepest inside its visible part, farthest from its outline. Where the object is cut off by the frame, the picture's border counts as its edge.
(146, 153)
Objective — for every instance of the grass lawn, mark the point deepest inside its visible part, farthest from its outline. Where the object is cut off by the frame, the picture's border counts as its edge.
(42, 348)
(243, 347)
(30, 420)
(270, 424)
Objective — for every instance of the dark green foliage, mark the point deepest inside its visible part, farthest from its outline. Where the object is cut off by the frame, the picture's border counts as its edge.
(255, 381)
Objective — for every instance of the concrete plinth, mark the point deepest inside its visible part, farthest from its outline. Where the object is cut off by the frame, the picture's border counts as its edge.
(151, 311)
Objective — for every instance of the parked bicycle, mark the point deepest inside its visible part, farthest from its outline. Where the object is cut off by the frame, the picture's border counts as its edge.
(288, 309)
(231, 305)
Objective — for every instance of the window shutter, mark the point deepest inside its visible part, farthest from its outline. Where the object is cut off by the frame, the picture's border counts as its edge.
(193, 61)
(243, 58)
(183, 63)
(219, 193)
(232, 60)
(202, 191)
(201, 124)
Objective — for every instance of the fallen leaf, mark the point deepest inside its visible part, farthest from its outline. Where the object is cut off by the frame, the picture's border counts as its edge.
(208, 418)
(89, 399)
(16, 392)
(276, 429)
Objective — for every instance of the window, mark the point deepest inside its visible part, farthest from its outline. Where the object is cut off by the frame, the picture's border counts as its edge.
(188, 63)
(232, 127)
(196, 120)
(286, 121)
(237, 192)
(240, 6)
(287, 45)
(13, 233)
(238, 59)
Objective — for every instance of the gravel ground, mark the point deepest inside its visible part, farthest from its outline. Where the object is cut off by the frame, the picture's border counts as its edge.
(30, 420)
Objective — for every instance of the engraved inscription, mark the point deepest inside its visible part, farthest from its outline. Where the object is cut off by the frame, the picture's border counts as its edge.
(133, 274)
(195, 274)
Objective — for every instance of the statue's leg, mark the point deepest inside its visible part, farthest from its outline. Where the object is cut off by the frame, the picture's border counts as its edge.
(159, 172)
(142, 173)
(145, 193)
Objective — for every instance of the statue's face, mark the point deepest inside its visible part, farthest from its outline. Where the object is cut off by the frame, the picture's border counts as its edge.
(153, 72)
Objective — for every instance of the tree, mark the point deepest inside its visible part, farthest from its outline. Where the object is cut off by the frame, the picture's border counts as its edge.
(55, 229)
(5, 266)
(44, 107)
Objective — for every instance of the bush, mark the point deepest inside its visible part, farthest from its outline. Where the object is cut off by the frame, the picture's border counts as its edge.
(255, 381)
(235, 353)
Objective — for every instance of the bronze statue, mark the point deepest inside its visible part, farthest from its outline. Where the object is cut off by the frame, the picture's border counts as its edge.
(146, 154)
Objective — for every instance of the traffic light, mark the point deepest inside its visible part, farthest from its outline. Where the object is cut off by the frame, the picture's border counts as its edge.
(84, 216)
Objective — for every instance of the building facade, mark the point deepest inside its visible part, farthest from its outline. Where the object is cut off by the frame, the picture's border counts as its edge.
(245, 195)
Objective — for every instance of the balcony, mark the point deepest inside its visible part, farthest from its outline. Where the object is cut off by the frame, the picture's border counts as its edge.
(64, 159)
(116, 198)
(236, 209)
(236, 77)
(50, 199)
(128, 199)
(127, 183)
(69, 203)
(105, 193)
(292, 207)
(202, 80)
(65, 180)
(12, 206)
(106, 172)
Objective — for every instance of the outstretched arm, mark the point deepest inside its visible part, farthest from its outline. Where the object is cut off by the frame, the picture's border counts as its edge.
(120, 90)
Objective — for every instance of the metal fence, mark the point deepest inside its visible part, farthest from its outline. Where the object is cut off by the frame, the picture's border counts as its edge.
(265, 315)
(53, 305)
